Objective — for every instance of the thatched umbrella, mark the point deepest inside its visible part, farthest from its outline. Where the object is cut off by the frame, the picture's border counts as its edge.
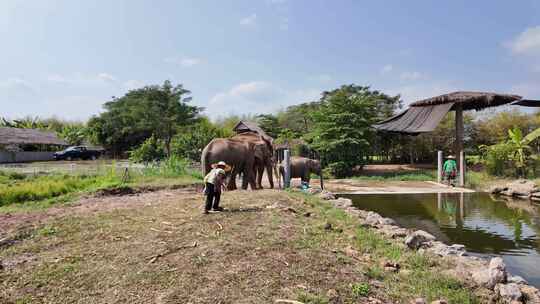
(425, 115)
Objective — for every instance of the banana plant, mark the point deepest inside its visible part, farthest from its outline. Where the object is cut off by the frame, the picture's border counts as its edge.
(520, 147)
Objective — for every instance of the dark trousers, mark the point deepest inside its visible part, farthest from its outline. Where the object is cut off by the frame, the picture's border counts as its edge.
(212, 196)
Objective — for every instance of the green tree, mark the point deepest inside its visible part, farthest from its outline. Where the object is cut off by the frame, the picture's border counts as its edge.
(73, 134)
(342, 126)
(190, 142)
(269, 123)
(298, 118)
(152, 110)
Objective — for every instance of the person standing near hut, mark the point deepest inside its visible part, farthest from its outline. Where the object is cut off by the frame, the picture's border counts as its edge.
(213, 184)
(450, 169)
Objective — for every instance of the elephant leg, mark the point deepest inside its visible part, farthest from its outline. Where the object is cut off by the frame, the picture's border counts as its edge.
(232, 182)
(270, 176)
(249, 178)
(260, 173)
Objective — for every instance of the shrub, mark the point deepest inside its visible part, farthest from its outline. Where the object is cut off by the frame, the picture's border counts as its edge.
(150, 150)
(339, 169)
(360, 289)
(173, 166)
(497, 158)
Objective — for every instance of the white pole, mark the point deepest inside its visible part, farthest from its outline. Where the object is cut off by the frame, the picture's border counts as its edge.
(439, 166)
(461, 168)
(287, 168)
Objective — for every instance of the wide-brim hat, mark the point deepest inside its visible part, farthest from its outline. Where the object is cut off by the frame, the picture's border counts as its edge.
(451, 157)
(223, 165)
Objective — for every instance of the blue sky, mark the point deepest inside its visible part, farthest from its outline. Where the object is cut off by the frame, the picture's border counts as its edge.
(66, 58)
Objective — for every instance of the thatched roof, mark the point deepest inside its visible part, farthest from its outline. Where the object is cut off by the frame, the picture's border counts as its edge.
(246, 126)
(469, 100)
(16, 136)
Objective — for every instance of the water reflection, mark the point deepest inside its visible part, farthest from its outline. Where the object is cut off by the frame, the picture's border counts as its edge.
(484, 224)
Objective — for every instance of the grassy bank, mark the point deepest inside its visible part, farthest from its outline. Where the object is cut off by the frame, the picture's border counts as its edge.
(19, 191)
(268, 245)
(421, 175)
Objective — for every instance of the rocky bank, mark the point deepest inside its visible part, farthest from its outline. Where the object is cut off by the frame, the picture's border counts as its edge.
(489, 277)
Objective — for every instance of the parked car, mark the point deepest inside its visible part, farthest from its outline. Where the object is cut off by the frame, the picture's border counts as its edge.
(77, 152)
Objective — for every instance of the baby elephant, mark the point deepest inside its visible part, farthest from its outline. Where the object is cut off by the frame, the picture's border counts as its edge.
(302, 167)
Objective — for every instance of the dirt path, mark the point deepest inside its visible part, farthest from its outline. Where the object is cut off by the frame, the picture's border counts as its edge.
(158, 247)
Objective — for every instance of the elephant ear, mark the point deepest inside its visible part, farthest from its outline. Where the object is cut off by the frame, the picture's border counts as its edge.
(259, 151)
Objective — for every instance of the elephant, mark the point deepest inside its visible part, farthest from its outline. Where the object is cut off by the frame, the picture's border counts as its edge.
(239, 155)
(302, 167)
(267, 159)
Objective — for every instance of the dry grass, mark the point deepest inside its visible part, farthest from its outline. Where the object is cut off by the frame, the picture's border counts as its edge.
(164, 250)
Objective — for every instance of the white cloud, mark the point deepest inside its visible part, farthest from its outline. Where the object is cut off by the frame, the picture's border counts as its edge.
(527, 42)
(257, 97)
(133, 84)
(411, 75)
(249, 20)
(106, 77)
(184, 61)
(387, 69)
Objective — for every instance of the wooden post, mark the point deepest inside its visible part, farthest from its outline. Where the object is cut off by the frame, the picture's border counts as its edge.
(462, 166)
(287, 168)
(439, 166)
(458, 150)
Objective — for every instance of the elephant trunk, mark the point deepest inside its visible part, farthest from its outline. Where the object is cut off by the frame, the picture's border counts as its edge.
(322, 182)
(204, 161)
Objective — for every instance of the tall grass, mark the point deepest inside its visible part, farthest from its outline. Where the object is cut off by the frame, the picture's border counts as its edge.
(171, 167)
(46, 187)
(18, 188)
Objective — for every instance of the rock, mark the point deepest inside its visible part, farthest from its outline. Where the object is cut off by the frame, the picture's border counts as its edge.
(439, 302)
(373, 219)
(390, 266)
(517, 280)
(416, 239)
(419, 301)
(327, 195)
(497, 264)
(393, 231)
(341, 202)
(495, 274)
(508, 292)
(444, 250)
(520, 188)
(307, 214)
(497, 190)
(327, 226)
(530, 294)
(387, 221)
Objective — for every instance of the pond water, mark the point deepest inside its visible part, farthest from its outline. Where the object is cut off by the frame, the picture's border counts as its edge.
(486, 225)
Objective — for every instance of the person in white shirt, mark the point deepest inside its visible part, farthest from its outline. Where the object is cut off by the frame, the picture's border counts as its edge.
(213, 184)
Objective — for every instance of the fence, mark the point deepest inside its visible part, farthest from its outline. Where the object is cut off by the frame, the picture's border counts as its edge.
(22, 157)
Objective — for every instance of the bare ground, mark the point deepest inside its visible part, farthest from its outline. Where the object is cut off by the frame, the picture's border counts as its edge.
(158, 247)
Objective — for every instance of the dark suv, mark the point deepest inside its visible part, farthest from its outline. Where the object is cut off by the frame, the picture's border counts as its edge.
(77, 152)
